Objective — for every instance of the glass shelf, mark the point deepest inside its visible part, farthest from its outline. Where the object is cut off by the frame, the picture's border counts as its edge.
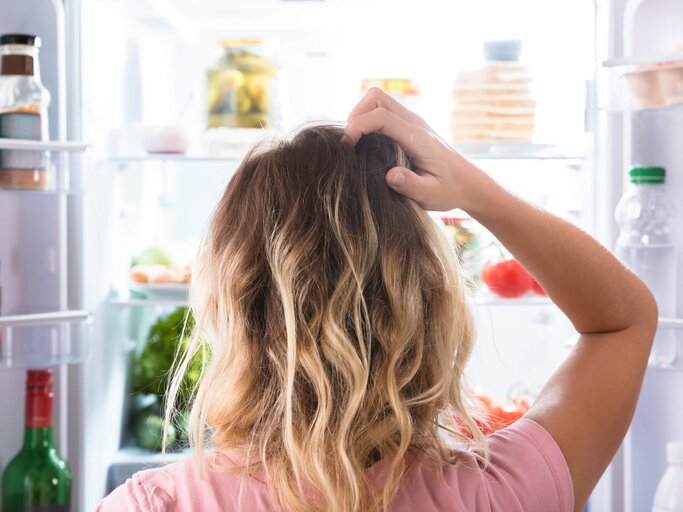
(472, 151)
(501, 150)
(35, 145)
(41, 340)
(163, 157)
(500, 302)
(476, 302)
(131, 459)
(151, 302)
(137, 455)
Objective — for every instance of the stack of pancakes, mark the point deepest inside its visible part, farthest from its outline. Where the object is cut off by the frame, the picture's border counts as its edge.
(493, 104)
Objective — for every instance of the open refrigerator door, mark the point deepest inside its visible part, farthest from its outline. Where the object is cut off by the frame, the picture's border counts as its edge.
(42, 316)
(641, 99)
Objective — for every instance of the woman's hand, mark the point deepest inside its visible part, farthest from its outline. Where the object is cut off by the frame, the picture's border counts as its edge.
(442, 179)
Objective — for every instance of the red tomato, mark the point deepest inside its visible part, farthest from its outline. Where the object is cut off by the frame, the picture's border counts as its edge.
(505, 415)
(483, 398)
(507, 278)
(494, 416)
(537, 288)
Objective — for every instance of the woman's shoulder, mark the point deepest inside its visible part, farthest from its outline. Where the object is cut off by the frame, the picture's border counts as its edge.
(526, 472)
(215, 483)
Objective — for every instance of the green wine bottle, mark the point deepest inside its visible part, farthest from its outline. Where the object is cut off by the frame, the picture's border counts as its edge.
(37, 479)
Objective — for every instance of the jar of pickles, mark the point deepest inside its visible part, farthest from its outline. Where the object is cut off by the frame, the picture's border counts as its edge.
(242, 86)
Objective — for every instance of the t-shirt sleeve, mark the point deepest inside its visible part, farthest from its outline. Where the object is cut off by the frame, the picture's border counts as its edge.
(137, 494)
(528, 469)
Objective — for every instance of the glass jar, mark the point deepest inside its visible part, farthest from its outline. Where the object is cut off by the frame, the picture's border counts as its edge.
(23, 112)
(405, 90)
(241, 87)
(465, 236)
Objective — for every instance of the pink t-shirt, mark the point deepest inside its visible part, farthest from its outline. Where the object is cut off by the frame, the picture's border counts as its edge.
(527, 473)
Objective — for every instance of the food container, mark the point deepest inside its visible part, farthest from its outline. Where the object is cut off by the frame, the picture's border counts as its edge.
(164, 140)
(655, 85)
(405, 90)
(671, 81)
(645, 88)
(242, 86)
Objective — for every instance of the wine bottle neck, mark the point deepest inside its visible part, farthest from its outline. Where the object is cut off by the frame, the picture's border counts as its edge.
(37, 438)
(39, 406)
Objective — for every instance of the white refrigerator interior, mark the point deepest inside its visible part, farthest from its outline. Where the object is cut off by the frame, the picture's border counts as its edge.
(133, 65)
(155, 74)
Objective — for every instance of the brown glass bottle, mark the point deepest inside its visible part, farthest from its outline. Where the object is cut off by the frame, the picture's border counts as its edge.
(23, 112)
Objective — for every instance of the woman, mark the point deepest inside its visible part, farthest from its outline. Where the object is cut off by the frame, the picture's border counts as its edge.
(337, 330)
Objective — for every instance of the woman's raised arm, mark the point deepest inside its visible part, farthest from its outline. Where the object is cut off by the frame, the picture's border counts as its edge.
(588, 403)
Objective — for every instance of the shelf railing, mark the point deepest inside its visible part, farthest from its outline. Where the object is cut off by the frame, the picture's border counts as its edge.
(51, 318)
(38, 145)
(671, 323)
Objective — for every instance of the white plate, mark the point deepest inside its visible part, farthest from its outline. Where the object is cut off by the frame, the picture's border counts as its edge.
(166, 290)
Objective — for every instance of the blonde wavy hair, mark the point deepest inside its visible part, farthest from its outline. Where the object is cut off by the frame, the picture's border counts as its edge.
(332, 315)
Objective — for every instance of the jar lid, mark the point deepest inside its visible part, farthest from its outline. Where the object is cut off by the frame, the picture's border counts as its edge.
(506, 51)
(647, 175)
(674, 452)
(231, 43)
(26, 39)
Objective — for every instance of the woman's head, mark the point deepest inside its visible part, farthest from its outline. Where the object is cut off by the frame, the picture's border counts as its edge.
(334, 317)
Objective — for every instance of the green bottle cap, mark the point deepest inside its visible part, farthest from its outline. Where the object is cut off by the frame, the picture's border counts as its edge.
(647, 175)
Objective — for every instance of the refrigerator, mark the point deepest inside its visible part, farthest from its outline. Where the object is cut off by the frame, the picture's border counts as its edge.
(122, 71)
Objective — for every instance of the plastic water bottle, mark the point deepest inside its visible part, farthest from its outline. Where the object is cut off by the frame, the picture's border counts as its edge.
(669, 494)
(646, 246)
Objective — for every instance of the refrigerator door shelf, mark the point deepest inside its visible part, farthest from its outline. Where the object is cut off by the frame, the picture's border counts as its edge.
(670, 323)
(630, 62)
(37, 145)
(23, 192)
(41, 340)
(39, 319)
(641, 83)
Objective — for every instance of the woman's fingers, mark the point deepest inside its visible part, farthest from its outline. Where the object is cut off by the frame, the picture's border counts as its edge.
(376, 98)
(414, 140)
(412, 185)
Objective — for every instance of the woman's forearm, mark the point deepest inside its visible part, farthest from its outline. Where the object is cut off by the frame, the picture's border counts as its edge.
(584, 279)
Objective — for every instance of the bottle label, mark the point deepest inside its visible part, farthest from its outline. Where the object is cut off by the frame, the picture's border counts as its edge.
(17, 65)
(23, 124)
(38, 408)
